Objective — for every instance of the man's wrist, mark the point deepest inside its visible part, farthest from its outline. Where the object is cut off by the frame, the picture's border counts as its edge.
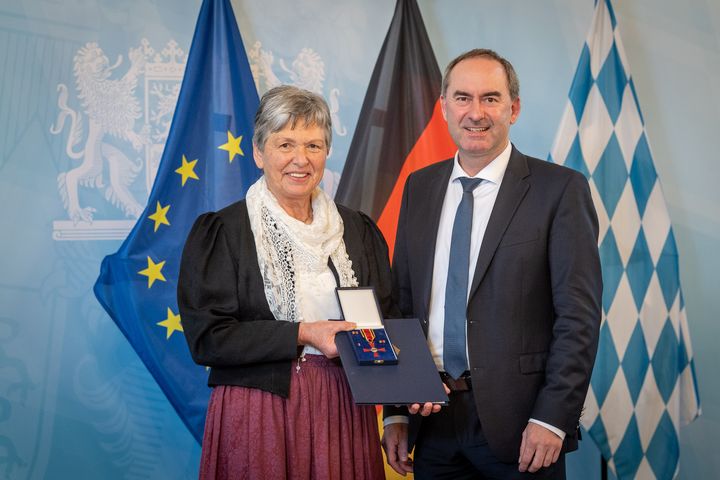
(395, 419)
(560, 433)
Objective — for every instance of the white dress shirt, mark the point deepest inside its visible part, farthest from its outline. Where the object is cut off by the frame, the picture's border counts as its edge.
(484, 197)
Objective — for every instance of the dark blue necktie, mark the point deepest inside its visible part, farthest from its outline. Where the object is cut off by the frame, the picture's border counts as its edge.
(456, 288)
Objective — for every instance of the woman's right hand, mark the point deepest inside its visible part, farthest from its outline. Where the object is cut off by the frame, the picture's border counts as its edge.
(321, 335)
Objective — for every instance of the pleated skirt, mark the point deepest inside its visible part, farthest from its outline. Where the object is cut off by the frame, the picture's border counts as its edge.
(316, 433)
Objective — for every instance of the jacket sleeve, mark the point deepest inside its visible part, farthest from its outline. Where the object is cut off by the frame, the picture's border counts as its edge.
(402, 291)
(576, 282)
(219, 308)
(401, 283)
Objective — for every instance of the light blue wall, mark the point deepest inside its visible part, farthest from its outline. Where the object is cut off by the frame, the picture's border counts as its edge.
(75, 401)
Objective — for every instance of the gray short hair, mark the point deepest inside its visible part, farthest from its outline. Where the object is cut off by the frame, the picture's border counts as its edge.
(287, 105)
(512, 78)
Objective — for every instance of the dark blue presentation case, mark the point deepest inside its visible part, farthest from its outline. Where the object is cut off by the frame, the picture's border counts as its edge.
(369, 340)
(413, 379)
(409, 377)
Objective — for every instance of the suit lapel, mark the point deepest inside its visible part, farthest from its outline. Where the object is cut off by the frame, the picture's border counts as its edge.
(512, 190)
(427, 228)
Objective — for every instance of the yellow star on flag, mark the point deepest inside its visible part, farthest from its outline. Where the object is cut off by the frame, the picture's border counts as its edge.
(187, 170)
(153, 271)
(171, 323)
(232, 146)
(160, 216)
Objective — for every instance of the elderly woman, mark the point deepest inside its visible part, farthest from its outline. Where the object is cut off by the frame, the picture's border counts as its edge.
(256, 290)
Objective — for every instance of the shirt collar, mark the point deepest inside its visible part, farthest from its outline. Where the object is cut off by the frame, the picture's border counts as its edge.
(493, 172)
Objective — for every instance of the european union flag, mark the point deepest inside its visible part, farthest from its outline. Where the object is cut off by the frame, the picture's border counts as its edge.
(206, 165)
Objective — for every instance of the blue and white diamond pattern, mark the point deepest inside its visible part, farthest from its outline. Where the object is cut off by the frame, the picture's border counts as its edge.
(643, 386)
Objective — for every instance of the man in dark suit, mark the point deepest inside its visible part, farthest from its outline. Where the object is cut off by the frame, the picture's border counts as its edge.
(519, 357)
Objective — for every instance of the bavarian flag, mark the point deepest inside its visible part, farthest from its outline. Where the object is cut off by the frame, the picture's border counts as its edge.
(206, 165)
(401, 128)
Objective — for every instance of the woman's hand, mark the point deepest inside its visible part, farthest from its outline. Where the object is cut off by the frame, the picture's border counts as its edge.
(321, 335)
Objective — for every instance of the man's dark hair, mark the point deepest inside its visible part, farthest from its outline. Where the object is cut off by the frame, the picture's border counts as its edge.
(512, 78)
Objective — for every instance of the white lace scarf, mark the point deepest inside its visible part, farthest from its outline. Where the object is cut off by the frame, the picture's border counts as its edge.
(287, 247)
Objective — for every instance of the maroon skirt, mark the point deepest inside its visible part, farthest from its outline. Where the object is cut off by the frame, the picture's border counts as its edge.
(316, 433)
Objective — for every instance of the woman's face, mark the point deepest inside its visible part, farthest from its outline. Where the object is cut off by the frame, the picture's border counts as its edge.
(293, 162)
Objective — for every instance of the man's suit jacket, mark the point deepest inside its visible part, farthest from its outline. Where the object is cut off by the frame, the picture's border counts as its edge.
(534, 306)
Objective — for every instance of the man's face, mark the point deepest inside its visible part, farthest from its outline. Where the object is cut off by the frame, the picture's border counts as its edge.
(478, 109)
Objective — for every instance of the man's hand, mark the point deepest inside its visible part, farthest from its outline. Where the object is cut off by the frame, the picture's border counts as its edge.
(395, 444)
(321, 335)
(539, 448)
(426, 408)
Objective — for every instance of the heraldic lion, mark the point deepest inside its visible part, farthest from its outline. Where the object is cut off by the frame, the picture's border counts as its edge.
(112, 109)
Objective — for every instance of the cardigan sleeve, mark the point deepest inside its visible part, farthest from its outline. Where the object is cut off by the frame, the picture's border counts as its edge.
(222, 303)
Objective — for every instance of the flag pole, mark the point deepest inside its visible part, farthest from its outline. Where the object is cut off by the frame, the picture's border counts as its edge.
(603, 468)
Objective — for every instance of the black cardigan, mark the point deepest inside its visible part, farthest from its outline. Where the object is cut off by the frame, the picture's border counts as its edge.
(225, 315)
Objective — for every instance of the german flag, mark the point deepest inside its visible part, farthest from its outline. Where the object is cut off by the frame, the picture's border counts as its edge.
(401, 128)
